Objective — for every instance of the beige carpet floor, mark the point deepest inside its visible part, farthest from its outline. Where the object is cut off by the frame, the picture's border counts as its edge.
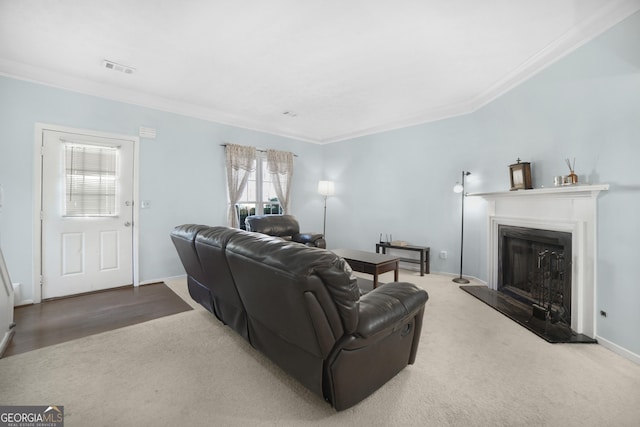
(475, 367)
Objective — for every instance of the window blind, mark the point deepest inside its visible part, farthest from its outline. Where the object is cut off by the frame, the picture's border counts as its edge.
(91, 180)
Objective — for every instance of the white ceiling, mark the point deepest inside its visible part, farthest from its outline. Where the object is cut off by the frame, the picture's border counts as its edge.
(345, 67)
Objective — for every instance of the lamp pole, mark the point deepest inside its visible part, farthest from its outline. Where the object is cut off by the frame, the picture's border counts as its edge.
(326, 189)
(324, 224)
(461, 279)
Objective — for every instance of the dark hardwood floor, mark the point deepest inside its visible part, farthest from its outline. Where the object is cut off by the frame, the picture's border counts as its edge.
(65, 319)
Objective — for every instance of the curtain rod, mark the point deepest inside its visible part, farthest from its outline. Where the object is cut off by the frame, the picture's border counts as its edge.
(258, 149)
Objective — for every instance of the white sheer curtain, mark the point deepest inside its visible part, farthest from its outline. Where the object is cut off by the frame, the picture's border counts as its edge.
(241, 161)
(280, 166)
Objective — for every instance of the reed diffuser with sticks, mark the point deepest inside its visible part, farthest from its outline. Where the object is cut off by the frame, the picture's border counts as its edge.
(573, 178)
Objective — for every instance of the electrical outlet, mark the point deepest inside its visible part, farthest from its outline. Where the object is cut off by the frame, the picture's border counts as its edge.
(443, 254)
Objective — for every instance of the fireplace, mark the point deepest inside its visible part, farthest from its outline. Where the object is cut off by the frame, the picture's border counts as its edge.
(565, 223)
(534, 267)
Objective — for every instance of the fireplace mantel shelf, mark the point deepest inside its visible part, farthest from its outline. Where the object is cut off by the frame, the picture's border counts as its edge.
(578, 190)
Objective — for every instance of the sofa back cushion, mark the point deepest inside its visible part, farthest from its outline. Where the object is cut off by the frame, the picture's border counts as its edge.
(277, 280)
(211, 247)
(184, 239)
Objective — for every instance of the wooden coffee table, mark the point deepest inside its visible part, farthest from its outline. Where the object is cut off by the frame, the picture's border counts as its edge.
(370, 263)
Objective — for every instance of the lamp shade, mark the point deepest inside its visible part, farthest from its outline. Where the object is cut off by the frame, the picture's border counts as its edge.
(325, 188)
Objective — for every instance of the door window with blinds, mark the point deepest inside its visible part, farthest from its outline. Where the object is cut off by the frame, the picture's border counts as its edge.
(91, 180)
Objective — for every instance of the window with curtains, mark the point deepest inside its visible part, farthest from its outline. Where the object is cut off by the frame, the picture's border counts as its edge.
(259, 196)
(91, 180)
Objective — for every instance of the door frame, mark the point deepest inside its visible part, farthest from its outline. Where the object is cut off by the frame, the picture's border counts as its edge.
(37, 198)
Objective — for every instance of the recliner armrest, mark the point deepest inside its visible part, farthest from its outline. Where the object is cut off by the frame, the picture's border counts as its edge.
(314, 239)
(388, 305)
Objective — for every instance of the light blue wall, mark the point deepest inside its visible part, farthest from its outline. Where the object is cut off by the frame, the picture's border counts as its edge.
(181, 171)
(586, 106)
(400, 183)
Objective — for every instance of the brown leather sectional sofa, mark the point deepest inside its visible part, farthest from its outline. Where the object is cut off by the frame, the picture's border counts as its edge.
(301, 307)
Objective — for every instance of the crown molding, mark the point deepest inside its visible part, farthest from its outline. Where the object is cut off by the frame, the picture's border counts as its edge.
(432, 115)
(611, 14)
(37, 75)
(608, 16)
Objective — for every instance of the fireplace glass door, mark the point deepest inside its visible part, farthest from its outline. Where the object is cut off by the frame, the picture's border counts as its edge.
(535, 268)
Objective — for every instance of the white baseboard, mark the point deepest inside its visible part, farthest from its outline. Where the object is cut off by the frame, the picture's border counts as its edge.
(149, 282)
(414, 267)
(5, 341)
(619, 350)
(466, 276)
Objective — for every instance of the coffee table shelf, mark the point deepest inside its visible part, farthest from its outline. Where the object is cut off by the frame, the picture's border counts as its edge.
(423, 250)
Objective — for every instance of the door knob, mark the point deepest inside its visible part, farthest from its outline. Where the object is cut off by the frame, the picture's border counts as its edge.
(127, 224)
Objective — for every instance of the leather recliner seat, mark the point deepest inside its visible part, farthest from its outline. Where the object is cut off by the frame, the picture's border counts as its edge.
(301, 307)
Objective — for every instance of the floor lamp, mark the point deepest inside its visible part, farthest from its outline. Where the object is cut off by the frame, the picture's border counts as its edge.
(459, 188)
(325, 188)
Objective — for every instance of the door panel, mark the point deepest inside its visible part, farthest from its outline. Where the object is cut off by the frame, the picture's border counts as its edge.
(87, 213)
(72, 253)
(109, 250)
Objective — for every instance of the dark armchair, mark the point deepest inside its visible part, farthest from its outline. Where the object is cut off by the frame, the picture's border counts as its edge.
(285, 227)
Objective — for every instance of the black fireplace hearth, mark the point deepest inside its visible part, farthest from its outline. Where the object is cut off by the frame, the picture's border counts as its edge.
(522, 314)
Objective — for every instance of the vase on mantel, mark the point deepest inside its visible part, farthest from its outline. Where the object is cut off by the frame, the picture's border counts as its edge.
(573, 178)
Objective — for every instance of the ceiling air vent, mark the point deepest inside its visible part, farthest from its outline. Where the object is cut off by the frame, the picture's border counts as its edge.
(118, 67)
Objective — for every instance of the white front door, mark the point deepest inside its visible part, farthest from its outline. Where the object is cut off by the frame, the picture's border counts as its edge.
(87, 213)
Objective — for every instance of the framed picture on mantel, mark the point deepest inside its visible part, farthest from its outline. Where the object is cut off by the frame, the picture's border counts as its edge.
(520, 174)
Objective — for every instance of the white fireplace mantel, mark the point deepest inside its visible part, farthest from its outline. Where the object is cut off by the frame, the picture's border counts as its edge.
(571, 209)
(578, 190)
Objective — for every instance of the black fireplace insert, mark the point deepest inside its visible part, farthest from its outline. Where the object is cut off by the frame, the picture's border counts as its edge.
(534, 266)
